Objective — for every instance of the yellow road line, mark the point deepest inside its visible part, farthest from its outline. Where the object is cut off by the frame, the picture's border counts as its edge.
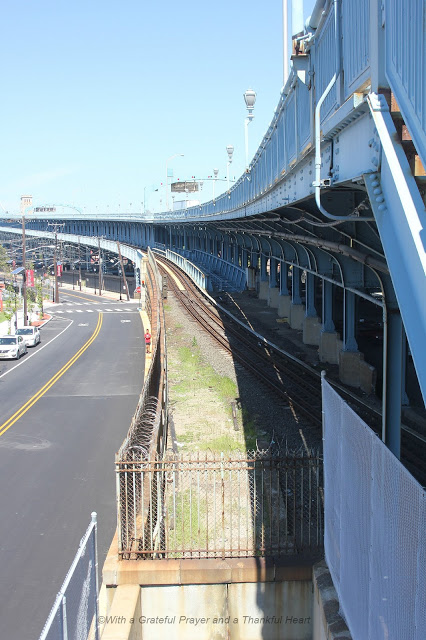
(18, 414)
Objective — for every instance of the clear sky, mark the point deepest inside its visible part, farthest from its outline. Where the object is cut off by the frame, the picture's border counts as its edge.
(96, 96)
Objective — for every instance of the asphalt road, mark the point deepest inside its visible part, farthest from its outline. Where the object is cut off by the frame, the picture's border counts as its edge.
(57, 458)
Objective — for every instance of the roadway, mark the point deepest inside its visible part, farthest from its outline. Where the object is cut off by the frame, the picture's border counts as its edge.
(82, 384)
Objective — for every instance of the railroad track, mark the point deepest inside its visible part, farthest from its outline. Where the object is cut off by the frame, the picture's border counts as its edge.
(293, 381)
(287, 381)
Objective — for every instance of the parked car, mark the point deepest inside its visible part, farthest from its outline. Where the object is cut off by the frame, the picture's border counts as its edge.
(31, 335)
(12, 347)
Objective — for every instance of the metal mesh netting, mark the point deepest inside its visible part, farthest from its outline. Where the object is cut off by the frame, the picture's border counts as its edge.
(219, 506)
(375, 516)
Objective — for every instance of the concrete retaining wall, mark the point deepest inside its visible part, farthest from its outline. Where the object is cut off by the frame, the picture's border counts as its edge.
(328, 624)
(235, 599)
(211, 599)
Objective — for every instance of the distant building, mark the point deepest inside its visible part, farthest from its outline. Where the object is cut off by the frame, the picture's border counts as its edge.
(26, 201)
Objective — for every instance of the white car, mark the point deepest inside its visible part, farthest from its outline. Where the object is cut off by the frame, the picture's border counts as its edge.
(31, 335)
(12, 347)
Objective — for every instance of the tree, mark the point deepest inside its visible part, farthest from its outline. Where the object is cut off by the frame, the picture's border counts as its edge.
(39, 296)
(3, 259)
(9, 305)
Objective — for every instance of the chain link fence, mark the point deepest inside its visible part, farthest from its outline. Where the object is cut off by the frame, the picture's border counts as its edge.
(212, 506)
(75, 612)
(375, 529)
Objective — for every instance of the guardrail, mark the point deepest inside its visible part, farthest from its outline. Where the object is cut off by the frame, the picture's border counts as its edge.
(75, 612)
(200, 278)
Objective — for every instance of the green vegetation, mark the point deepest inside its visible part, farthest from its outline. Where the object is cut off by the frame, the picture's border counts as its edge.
(250, 431)
(225, 442)
(187, 513)
(196, 375)
(39, 296)
(9, 307)
(3, 260)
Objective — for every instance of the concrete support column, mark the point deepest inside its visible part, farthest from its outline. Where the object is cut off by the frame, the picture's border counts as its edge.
(284, 279)
(273, 272)
(311, 312)
(244, 258)
(330, 344)
(297, 310)
(349, 341)
(284, 299)
(264, 280)
(273, 293)
(353, 370)
(295, 288)
(327, 307)
(393, 379)
(311, 323)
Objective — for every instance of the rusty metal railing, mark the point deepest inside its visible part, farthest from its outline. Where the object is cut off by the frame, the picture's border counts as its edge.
(213, 505)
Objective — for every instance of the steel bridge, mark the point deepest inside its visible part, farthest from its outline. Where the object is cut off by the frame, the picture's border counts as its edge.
(328, 220)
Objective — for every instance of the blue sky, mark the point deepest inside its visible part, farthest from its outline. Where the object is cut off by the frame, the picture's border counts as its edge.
(97, 95)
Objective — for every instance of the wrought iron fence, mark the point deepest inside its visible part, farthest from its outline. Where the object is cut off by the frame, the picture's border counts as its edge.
(75, 612)
(219, 506)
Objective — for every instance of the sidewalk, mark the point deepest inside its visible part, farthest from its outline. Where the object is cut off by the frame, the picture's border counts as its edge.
(108, 295)
(34, 320)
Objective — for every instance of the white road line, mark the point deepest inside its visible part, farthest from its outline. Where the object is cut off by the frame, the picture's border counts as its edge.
(34, 354)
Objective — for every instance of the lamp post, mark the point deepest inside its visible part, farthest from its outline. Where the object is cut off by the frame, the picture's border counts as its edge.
(144, 200)
(79, 262)
(24, 274)
(215, 173)
(176, 155)
(250, 99)
(230, 152)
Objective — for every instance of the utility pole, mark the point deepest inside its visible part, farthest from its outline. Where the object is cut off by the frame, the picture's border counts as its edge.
(123, 272)
(24, 273)
(79, 262)
(55, 225)
(55, 268)
(100, 267)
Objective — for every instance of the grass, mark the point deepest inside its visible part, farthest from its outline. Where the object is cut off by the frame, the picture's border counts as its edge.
(222, 443)
(189, 515)
(196, 375)
(250, 430)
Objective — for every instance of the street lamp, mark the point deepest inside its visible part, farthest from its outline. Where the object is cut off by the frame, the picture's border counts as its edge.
(215, 173)
(230, 152)
(167, 177)
(250, 99)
